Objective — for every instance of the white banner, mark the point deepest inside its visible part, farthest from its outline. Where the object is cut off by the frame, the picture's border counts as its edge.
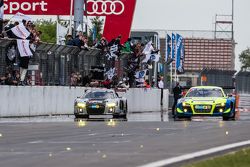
(23, 47)
(19, 17)
(140, 74)
(148, 48)
(155, 57)
(152, 57)
(61, 33)
(20, 31)
(111, 73)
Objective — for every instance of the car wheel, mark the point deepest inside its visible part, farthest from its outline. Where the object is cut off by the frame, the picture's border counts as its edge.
(82, 116)
(226, 118)
(124, 116)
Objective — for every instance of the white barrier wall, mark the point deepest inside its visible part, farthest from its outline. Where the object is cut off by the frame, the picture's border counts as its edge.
(33, 101)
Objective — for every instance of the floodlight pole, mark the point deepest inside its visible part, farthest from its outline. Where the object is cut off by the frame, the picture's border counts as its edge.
(78, 14)
(70, 20)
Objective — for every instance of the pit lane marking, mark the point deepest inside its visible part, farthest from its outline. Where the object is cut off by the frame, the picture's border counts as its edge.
(197, 154)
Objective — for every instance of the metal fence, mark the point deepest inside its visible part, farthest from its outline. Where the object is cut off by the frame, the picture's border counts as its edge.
(243, 82)
(240, 80)
(216, 77)
(55, 63)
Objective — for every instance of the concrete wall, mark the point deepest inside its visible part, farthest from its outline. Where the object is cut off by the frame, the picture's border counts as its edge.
(32, 101)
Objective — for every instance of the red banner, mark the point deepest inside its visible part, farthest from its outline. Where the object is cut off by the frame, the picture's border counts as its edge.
(118, 13)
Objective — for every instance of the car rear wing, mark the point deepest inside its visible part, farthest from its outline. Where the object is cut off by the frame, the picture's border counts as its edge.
(227, 87)
(223, 87)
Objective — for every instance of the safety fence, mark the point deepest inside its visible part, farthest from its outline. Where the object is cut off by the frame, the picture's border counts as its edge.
(52, 64)
(216, 77)
(239, 80)
(243, 82)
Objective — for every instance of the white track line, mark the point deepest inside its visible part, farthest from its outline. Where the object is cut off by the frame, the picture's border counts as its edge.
(195, 154)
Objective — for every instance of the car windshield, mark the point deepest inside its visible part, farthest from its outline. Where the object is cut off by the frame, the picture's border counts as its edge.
(201, 92)
(99, 95)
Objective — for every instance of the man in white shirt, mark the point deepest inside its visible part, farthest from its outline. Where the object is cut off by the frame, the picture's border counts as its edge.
(161, 86)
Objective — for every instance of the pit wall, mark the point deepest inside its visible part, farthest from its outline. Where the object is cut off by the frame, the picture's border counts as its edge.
(56, 100)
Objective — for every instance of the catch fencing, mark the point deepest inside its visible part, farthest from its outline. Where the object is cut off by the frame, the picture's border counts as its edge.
(239, 80)
(243, 82)
(52, 63)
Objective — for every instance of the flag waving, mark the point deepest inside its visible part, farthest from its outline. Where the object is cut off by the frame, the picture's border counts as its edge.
(19, 17)
(140, 74)
(23, 47)
(179, 53)
(148, 48)
(173, 46)
(168, 58)
(20, 31)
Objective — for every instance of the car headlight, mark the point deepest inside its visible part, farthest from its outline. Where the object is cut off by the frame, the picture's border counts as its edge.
(221, 105)
(111, 104)
(184, 104)
(81, 105)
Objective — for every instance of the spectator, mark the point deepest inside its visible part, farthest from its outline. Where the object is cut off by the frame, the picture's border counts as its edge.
(78, 41)
(16, 78)
(73, 79)
(78, 79)
(177, 94)
(8, 79)
(103, 44)
(146, 84)
(69, 40)
(161, 86)
(107, 83)
(86, 80)
(127, 47)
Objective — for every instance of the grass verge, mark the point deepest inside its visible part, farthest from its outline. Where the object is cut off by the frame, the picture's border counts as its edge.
(233, 159)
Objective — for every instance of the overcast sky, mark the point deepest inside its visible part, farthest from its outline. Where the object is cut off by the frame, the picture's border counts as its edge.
(194, 15)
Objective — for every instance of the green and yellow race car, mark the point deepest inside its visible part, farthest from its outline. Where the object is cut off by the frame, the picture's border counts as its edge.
(206, 101)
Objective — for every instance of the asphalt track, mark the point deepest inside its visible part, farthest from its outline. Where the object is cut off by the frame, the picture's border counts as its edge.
(144, 138)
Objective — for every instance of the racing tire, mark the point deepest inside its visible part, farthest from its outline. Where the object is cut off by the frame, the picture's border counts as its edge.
(176, 118)
(124, 116)
(82, 116)
(230, 118)
(226, 118)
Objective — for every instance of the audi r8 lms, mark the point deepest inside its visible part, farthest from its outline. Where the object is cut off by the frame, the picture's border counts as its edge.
(206, 101)
(100, 102)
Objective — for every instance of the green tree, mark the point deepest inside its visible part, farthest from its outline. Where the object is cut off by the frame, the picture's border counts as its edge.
(96, 31)
(48, 28)
(245, 59)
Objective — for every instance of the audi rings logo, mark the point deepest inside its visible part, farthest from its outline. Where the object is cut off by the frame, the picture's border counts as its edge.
(105, 7)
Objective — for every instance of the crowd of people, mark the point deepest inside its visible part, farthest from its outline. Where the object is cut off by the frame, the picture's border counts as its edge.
(114, 49)
(13, 75)
(111, 50)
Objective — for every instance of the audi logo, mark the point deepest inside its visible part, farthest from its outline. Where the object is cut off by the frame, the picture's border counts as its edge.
(105, 7)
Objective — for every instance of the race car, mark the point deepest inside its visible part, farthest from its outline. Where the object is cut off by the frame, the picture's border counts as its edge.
(100, 102)
(206, 101)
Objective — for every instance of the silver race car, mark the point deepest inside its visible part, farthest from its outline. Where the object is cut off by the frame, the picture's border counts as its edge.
(100, 102)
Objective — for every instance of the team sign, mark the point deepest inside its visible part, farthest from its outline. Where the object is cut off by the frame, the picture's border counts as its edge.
(59, 7)
(118, 13)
